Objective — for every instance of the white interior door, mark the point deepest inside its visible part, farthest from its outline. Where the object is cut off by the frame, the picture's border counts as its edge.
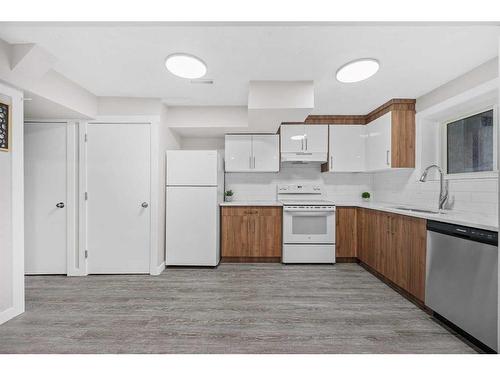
(45, 171)
(118, 186)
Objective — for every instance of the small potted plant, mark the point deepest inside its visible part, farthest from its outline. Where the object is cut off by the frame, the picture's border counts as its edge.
(365, 196)
(229, 195)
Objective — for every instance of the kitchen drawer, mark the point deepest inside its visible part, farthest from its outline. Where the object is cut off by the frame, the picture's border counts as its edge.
(305, 253)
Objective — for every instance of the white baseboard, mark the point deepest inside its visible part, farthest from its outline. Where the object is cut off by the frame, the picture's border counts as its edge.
(158, 270)
(8, 314)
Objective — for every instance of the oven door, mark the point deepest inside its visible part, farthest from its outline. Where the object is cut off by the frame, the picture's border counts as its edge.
(314, 226)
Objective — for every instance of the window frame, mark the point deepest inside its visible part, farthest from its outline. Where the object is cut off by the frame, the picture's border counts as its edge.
(444, 146)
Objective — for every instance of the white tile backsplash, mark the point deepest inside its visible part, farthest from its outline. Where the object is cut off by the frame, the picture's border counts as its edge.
(477, 196)
(466, 195)
(345, 187)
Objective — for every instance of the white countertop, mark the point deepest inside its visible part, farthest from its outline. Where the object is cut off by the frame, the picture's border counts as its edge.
(252, 203)
(448, 216)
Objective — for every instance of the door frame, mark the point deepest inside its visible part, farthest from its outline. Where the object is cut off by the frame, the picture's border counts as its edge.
(16, 149)
(73, 263)
(153, 122)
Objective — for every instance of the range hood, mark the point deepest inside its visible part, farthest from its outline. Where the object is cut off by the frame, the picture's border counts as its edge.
(304, 157)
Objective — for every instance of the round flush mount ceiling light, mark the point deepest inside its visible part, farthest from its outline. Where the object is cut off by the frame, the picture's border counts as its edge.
(357, 70)
(185, 66)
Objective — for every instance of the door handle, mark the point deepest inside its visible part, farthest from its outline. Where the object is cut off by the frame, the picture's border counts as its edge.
(60, 205)
(306, 141)
(254, 162)
(250, 162)
(144, 205)
(387, 157)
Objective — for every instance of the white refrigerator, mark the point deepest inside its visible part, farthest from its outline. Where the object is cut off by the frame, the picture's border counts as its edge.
(195, 188)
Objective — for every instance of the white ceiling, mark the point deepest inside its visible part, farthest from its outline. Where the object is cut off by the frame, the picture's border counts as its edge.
(128, 60)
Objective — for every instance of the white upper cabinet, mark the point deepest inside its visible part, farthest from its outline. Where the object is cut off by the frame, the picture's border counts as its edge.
(266, 155)
(378, 143)
(304, 143)
(238, 153)
(316, 138)
(292, 138)
(347, 148)
(252, 153)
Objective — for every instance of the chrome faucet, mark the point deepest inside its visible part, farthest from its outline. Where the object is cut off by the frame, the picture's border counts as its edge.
(443, 185)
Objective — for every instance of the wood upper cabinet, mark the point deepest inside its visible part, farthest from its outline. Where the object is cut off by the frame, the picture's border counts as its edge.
(251, 232)
(346, 235)
(403, 139)
(395, 246)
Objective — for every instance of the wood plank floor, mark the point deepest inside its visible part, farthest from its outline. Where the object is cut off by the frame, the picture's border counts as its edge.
(236, 308)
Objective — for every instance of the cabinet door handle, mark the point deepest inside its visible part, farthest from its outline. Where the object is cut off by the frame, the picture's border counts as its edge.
(254, 162)
(387, 157)
(249, 162)
(331, 162)
(302, 143)
(305, 136)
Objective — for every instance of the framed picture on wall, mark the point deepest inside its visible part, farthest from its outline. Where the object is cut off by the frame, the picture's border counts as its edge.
(4, 127)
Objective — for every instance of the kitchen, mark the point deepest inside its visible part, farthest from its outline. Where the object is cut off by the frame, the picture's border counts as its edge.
(297, 207)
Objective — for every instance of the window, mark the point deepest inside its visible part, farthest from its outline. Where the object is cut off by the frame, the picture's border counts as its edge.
(470, 144)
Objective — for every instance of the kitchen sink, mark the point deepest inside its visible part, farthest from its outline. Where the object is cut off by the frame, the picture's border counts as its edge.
(421, 210)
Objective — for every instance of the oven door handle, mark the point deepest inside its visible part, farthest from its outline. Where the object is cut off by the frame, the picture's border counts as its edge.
(310, 213)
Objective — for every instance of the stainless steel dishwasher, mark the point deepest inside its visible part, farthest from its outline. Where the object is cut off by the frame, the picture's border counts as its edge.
(462, 278)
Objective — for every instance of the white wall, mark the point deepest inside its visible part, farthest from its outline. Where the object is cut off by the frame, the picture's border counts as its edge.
(202, 143)
(167, 141)
(121, 106)
(475, 77)
(5, 225)
(34, 73)
(12, 211)
(345, 187)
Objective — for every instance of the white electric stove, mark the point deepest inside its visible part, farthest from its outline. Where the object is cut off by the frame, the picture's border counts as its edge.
(308, 224)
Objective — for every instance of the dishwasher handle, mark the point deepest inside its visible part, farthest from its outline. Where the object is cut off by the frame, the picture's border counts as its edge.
(468, 233)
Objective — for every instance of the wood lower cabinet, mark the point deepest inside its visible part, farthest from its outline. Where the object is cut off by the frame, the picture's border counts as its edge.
(394, 246)
(346, 236)
(251, 233)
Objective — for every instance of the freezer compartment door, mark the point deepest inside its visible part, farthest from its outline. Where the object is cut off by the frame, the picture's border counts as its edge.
(192, 226)
(193, 168)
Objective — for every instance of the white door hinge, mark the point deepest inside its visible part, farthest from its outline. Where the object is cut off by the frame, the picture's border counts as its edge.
(86, 254)
(86, 137)
(86, 196)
